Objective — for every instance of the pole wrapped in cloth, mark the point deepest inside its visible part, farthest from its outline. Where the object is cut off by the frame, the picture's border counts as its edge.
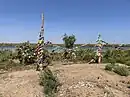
(100, 44)
(40, 49)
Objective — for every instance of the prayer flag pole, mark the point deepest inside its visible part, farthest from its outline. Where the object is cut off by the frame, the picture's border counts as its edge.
(40, 45)
(100, 44)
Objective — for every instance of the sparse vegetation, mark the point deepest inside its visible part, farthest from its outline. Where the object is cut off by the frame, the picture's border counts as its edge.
(117, 56)
(84, 55)
(48, 80)
(5, 55)
(50, 83)
(109, 67)
(129, 68)
(8, 65)
(6, 60)
(23, 54)
(121, 70)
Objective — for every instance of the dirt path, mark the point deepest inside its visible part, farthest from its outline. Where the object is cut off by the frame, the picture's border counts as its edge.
(20, 84)
(78, 80)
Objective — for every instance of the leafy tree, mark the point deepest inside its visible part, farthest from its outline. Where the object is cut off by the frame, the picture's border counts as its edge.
(69, 41)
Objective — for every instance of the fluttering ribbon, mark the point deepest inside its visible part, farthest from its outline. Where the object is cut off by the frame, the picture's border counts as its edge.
(100, 44)
(39, 53)
(40, 49)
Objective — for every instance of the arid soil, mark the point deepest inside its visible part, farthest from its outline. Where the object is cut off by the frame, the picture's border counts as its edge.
(78, 80)
(20, 84)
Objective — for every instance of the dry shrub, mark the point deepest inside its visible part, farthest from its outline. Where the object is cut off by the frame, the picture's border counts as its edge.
(121, 70)
(109, 67)
(50, 82)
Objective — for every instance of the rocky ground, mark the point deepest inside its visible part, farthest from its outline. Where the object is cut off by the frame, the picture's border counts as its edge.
(84, 80)
(78, 80)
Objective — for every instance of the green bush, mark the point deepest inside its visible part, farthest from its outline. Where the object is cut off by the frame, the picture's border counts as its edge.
(50, 82)
(56, 56)
(6, 65)
(5, 55)
(121, 70)
(117, 56)
(109, 67)
(6, 60)
(129, 68)
(84, 55)
(127, 62)
(25, 53)
(69, 41)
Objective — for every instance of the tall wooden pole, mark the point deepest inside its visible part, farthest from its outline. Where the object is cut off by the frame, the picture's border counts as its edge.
(42, 26)
(100, 44)
(40, 45)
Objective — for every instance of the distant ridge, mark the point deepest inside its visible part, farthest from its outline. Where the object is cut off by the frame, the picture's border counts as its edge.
(90, 45)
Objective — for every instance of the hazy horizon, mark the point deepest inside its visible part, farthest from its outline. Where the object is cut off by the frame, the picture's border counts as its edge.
(20, 20)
